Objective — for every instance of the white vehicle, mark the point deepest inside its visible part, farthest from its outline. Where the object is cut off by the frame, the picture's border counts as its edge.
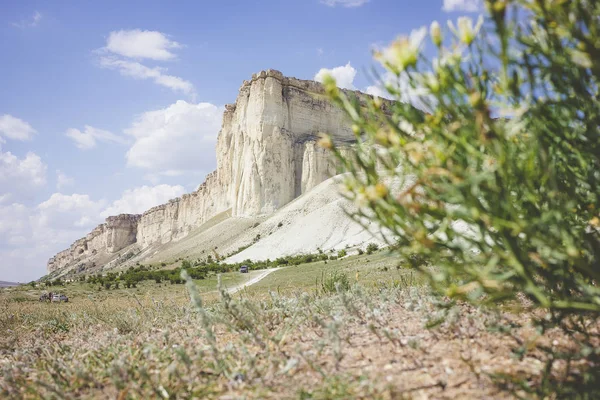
(57, 298)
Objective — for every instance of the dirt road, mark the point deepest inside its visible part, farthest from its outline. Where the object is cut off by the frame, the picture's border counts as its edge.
(252, 281)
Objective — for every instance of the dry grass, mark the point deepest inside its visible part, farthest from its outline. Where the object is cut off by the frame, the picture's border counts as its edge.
(367, 342)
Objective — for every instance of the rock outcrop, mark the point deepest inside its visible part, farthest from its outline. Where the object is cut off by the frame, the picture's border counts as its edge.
(110, 237)
(266, 157)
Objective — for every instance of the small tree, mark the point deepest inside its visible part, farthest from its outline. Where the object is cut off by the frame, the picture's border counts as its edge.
(372, 248)
(497, 184)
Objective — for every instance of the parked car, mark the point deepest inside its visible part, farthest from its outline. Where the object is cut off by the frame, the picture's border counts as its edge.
(244, 269)
(57, 298)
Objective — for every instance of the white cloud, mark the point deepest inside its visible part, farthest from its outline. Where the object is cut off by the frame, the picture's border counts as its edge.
(462, 5)
(69, 211)
(37, 17)
(20, 177)
(344, 3)
(13, 220)
(179, 138)
(157, 74)
(15, 128)
(141, 44)
(30, 235)
(90, 136)
(29, 23)
(62, 180)
(343, 75)
(140, 199)
(379, 90)
(122, 46)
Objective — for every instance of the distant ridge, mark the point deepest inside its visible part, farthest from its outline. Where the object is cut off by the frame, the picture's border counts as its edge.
(4, 284)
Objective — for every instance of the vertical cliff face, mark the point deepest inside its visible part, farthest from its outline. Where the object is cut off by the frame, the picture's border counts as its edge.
(267, 145)
(266, 157)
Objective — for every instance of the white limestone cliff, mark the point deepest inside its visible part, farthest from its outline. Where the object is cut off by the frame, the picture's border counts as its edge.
(266, 157)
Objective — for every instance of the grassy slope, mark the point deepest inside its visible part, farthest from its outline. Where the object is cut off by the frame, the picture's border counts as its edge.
(364, 269)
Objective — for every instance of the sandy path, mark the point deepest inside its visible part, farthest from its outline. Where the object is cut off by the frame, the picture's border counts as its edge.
(252, 281)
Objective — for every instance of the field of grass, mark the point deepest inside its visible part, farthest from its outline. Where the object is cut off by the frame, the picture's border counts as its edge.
(367, 270)
(77, 291)
(351, 328)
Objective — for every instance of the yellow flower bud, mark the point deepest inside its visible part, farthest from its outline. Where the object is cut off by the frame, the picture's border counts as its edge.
(382, 137)
(325, 141)
(432, 82)
(402, 53)
(376, 192)
(475, 99)
(465, 30)
(377, 102)
(436, 33)
(499, 6)
(330, 85)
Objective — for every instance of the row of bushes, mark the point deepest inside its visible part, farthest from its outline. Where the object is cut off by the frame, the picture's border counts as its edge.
(198, 269)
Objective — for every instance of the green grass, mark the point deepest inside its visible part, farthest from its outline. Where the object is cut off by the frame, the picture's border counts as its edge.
(77, 290)
(370, 270)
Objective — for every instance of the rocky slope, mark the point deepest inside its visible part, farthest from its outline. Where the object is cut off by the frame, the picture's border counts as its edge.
(266, 157)
(315, 221)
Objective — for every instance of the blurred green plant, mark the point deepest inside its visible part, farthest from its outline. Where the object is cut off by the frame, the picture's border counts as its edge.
(497, 182)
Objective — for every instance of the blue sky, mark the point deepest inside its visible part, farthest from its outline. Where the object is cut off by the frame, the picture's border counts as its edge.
(110, 107)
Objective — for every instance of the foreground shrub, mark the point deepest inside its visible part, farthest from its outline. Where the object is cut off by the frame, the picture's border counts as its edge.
(500, 177)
